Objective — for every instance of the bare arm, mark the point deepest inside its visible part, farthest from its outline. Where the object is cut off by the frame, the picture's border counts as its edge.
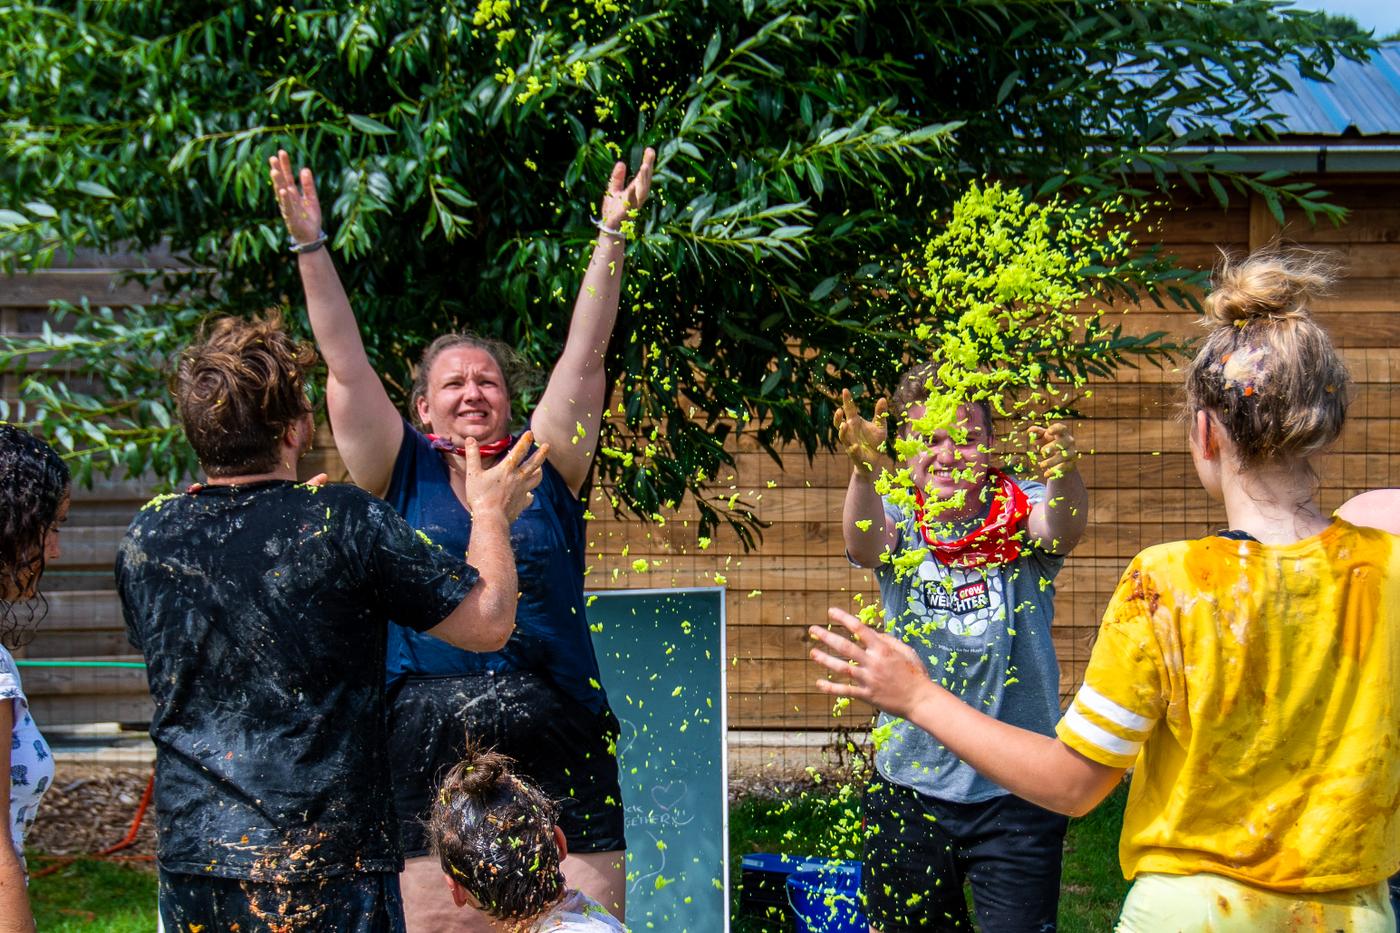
(866, 530)
(1379, 508)
(368, 429)
(495, 497)
(15, 915)
(1057, 524)
(570, 412)
(887, 673)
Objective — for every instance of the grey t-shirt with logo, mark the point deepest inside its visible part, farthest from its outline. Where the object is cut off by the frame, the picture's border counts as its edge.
(984, 634)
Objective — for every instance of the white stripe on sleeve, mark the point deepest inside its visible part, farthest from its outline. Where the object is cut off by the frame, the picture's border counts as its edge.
(1096, 735)
(1096, 702)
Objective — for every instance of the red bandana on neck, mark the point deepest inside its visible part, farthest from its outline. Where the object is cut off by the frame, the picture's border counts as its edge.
(993, 543)
(493, 449)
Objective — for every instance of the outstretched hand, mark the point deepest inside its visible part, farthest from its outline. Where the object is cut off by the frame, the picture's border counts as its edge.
(861, 439)
(301, 208)
(506, 485)
(622, 198)
(1055, 453)
(880, 669)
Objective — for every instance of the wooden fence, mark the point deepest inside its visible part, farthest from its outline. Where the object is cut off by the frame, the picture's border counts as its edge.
(1142, 487)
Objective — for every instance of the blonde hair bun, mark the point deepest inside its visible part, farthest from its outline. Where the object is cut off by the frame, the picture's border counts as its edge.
(1265, 368)
(1267, 285)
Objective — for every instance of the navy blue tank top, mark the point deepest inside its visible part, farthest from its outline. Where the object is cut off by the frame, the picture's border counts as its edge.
(551, 631)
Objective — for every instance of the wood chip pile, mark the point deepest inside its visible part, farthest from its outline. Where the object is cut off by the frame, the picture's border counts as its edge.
(89, 809)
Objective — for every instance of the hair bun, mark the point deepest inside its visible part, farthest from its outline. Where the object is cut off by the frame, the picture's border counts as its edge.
(480, 772)
(1268, 285)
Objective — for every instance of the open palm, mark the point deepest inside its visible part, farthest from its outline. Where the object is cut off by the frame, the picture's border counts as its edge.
(301, 208)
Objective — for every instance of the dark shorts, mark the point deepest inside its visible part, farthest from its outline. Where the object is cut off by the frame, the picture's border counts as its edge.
(565, 748)
(919, 850)
(348, 903)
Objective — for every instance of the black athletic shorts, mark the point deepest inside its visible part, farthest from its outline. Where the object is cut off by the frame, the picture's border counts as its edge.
(919, 850)
(343, 904)
(560, 745)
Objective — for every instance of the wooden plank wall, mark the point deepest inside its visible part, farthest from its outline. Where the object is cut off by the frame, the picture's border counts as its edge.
(1142, 488)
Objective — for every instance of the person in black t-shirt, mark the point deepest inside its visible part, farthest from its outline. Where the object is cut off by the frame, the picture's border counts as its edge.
(261, 605)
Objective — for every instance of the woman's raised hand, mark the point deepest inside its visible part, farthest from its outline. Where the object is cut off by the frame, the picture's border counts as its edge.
(862, 440)
(623, 198)
(301, 209)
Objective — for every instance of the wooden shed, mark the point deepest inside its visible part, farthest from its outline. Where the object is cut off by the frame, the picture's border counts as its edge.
(1344, 136)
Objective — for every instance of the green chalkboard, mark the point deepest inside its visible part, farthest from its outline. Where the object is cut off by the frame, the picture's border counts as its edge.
(662, 659)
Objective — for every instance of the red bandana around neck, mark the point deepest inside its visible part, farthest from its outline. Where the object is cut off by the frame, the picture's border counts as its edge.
(995, 542)
(493, 449)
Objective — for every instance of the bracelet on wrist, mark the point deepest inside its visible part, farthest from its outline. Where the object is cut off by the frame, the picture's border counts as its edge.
(310, 246)
(613, 232)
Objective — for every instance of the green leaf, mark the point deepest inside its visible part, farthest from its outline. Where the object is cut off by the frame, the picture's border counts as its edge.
(825, 287)
(711, 51)
(95, 190)
(1007, 84)
(369, 125)
(1218, 190)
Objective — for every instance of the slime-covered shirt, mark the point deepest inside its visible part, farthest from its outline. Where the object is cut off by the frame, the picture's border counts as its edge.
(1256, 688)
(577, 913)
(984, 634)
(262, 611)
(551, 634)
(31, 764)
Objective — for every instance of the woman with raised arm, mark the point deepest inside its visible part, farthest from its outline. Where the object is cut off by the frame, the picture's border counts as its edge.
(539, 699)
(1250, 678)
(34, 487)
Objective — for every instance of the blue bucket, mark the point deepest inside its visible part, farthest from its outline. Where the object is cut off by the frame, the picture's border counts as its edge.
(827, 899)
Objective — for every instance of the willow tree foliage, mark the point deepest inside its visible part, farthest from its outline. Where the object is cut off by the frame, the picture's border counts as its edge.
(463, 145)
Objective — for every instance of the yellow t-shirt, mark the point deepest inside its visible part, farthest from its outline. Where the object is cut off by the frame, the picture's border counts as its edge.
(1257, 690)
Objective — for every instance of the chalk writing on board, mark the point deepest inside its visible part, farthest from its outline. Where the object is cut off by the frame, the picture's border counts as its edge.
(667, 807)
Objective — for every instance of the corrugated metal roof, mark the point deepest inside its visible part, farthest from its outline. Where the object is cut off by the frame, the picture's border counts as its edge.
(1362, 99)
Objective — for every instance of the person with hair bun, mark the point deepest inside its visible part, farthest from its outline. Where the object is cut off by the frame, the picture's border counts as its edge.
(1251, 679)
(34, 486)
(540, 698)
(498, 841)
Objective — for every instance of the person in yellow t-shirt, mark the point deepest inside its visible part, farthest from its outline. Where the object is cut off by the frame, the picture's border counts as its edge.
(1251, 679)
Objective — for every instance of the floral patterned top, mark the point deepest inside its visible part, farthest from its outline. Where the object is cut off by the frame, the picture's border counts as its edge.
(31, 764)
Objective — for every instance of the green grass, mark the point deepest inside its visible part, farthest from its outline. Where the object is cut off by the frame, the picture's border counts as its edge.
(90, 896)
(1092, 887)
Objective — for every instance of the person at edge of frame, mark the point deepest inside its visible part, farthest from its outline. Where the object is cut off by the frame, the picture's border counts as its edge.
(1247, 677)
(35, 489)
(1377, 508)
(977, 608)
(261, 606)
(540, 699)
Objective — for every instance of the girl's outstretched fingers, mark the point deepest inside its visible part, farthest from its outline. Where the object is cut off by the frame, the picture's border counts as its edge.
(882, 670)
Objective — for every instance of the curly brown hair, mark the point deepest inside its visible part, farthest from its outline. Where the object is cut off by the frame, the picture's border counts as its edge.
(493, 832)
(34, 482)
(238, 388)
